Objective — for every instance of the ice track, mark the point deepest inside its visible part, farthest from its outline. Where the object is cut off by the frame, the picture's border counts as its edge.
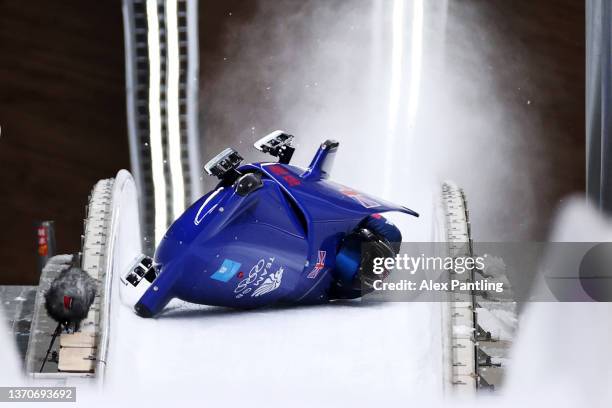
(350, 353)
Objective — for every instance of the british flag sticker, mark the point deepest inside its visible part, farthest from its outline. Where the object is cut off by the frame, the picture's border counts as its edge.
(319, 265)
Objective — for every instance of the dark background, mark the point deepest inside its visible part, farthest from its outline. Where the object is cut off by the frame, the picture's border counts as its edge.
(63, 119)
(63, 114)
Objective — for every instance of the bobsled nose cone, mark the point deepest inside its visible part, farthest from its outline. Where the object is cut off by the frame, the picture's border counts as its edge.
(142, 311)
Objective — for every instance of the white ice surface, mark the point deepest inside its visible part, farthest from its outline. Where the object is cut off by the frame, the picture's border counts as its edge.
(352, 354)
(10, 369)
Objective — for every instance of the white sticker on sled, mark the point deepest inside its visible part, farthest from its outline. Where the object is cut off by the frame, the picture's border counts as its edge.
(199, 216)
(260, 275)
(272, 282)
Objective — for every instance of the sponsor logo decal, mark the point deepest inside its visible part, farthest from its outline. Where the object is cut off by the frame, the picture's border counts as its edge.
(319, 265)
(271, 283)
(260, 280)
(227, 270)
(278, 170)
(291, 180)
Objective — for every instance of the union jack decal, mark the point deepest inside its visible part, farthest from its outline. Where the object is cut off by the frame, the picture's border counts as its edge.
(319, 265)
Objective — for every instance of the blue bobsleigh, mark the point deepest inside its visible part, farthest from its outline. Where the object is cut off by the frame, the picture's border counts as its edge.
(269, 233)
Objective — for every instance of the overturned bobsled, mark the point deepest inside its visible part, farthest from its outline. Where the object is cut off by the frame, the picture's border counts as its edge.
(268, 233)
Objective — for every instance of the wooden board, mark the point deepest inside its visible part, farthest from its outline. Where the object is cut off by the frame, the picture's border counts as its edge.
(79, 339)
(77, 359)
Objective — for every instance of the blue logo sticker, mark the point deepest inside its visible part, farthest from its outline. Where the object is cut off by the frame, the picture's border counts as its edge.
(227, 270)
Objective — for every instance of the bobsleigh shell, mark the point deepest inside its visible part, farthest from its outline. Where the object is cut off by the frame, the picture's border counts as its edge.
(276, 243)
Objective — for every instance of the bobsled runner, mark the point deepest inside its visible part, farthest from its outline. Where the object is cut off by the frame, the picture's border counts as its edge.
(268, 233)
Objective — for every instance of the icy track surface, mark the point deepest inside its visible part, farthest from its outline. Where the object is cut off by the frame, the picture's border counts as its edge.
(341, 353)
